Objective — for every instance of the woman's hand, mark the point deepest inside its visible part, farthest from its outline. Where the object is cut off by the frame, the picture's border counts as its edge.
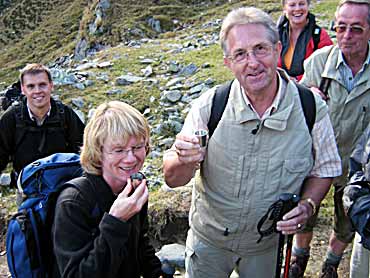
(126, 205)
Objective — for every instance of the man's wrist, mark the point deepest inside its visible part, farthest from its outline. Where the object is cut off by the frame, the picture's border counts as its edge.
(311, 203)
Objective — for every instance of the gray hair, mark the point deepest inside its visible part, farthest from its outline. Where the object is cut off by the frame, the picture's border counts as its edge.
(247, 15)
(355, 2)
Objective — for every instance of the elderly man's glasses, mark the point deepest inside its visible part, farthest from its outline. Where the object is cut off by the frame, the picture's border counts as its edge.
(259, 51)
(120, 152)
(354, 29)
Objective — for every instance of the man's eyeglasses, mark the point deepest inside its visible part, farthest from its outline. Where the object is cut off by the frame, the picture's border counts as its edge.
(354, 29)
(119, 152)
(258, 51)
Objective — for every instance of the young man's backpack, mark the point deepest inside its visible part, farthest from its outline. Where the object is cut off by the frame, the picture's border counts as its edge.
(28, 240)
(222, 95)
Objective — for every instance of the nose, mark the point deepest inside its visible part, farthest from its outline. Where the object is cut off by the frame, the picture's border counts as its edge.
(251, 59)
(130, 156)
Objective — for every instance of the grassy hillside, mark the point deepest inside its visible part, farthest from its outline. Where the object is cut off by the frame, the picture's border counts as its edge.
(42, 30)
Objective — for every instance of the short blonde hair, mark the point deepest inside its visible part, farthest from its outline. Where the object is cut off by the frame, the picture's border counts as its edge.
(117, 121)
(34, 69)
(247, 15)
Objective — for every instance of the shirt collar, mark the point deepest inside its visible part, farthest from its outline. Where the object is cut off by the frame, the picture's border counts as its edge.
(35, 119)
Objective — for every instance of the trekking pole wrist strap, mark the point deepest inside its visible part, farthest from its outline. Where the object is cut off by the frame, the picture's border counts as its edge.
(311, 203)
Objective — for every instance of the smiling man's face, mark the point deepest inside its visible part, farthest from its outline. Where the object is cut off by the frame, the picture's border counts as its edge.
(37, 88)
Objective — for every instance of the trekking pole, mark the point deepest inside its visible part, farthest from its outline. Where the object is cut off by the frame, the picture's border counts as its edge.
(285, 203)
(288, 255)
(280, 254)
(289, 202)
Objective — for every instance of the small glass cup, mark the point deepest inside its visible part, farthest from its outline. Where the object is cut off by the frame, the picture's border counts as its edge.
(202, 136)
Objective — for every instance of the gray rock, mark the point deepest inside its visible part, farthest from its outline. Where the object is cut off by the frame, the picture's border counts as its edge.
(155, 154)
(79, 86)
(103, 76)
(5, 179)
(85, 66)
(127, 79)
(79, 102)
(81, 49)
(206, 65)
(62, 77)
(104, 4)
(106, 64)
(189, 70)
(134, 43)
(115, 92)
(172, 96)
(147, 61)
(148, 71)
(196, 89)
(88, 83)
(166, 143)
(155, 24)
(173, 67)
(174, 81)
(209, 82)
(174, 254)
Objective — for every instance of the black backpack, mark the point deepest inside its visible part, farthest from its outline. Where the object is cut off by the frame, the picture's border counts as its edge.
(12, 95)
(222, 95)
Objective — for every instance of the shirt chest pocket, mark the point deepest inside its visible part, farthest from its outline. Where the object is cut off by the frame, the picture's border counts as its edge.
(285, 176)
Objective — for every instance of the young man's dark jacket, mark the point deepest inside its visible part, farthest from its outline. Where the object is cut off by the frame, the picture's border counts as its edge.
(89, 242)
(26, 142)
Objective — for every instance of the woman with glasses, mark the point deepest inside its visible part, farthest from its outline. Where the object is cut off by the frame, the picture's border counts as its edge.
(300, 36)
(100, 228)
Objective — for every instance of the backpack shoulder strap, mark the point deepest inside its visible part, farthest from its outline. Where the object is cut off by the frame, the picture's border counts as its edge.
(325, 82)
(218, 106)
(308, 105)
(86, 188)
(316, 32)
(61, 113)
(20, 125)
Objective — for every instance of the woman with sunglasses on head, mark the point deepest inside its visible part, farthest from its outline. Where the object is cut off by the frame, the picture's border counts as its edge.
(300, 36)
(100, 228)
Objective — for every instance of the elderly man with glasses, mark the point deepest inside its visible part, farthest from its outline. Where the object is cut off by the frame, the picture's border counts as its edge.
(346, 69)
(261, 148)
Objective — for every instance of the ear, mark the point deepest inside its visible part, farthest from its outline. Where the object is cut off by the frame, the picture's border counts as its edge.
(227, 62)
(279, 47)
(22, 89)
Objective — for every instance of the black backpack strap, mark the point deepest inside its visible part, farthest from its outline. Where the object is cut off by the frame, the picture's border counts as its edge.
(316, 32)
(19, 123)
(218, 106)
(324, 85)
(308, 105)
(87, 189)
(325, 82)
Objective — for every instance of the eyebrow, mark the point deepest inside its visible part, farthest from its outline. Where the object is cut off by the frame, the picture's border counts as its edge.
(351, 24)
